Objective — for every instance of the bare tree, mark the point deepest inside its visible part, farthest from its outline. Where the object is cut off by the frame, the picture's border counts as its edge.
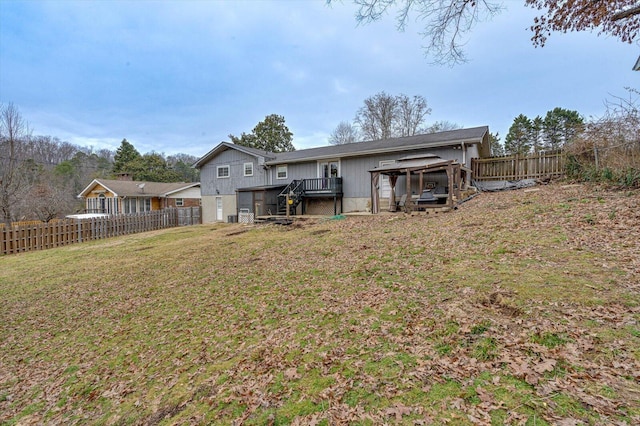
(49, 198)
(384, 116)
(610, 145)
(411, 114)
(49, 150)
(442, 126)
(344, 133)
(377, 117)
(14, 131)
(446, 22)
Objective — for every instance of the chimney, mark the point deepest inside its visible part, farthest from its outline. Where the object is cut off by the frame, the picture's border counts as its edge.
(124, 176)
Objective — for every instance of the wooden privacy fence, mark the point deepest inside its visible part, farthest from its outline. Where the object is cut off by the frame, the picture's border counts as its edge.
(516, 167)
(42, 236)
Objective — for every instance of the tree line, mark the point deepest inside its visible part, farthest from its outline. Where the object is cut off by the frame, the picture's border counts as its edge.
(555, 130)
(40, 176)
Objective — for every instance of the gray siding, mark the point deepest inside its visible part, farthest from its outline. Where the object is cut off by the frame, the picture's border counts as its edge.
(227, 186)
(305, 170)
(472, 152)
(356, 179)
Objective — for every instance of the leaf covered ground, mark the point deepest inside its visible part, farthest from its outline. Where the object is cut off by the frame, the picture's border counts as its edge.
(520, 307)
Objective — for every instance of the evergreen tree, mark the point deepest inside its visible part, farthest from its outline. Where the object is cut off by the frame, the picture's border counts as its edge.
(560, 126)
(152, 167)
(495, 146)
(125, 154)
(519, 138)
(271, 134)
(182, 164)
(537, 127)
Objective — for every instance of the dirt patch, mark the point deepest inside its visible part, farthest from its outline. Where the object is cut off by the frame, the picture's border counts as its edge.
(238, 232)
(501, 301)
(164, 414)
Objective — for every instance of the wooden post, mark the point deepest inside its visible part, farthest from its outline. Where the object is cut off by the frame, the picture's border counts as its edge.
(450, 182)
(287, 201)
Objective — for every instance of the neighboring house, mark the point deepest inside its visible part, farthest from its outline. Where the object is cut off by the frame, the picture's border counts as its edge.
(331, 179)
(126, 196)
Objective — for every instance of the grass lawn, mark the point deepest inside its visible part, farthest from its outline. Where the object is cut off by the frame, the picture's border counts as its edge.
(520, 307)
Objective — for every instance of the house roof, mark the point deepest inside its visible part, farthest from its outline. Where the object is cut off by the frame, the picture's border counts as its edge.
(418, 163)
(469, 136)
(223, 146)
(636, 67)
(132, 188)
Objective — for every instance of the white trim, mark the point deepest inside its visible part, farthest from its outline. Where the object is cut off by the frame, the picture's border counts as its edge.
(244, 169)
(385, 150)
(182, 189)
(384, 187)
(286, 171)
(219, 209)
(218, 168)
(179, 202)
(329, 161)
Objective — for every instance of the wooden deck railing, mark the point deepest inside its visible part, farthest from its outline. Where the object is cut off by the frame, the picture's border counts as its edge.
(331, 185)
(515, 167)
(40, 236)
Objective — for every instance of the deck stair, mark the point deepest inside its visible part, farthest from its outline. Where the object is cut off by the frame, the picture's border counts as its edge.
(300, 189)
(295, 190)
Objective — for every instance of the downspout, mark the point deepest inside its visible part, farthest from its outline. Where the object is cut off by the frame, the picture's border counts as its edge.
(464, 154)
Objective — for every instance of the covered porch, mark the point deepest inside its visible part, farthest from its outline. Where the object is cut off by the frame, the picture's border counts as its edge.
(419, 184)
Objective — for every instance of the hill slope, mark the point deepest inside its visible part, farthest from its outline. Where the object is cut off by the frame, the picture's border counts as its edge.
(520, 307)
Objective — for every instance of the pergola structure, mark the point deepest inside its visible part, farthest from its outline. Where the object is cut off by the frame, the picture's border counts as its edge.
(458, 178)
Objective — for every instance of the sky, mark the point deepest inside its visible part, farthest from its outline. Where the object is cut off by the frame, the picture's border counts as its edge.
(180, 76)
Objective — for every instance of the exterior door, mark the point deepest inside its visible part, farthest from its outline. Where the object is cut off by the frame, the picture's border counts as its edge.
(327, 170)
(384, 186)
(219, 209)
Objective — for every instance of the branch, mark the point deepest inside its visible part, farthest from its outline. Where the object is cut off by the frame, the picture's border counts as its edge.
(635, 10)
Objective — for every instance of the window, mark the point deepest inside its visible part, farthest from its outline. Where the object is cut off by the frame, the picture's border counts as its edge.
(147, 205)
(248, 169)
(179, 202)
(130, 205)
(223, 171)
(281, 172)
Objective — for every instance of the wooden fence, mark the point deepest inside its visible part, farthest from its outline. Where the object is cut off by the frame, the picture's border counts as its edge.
(516, 167)
(58, 233)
